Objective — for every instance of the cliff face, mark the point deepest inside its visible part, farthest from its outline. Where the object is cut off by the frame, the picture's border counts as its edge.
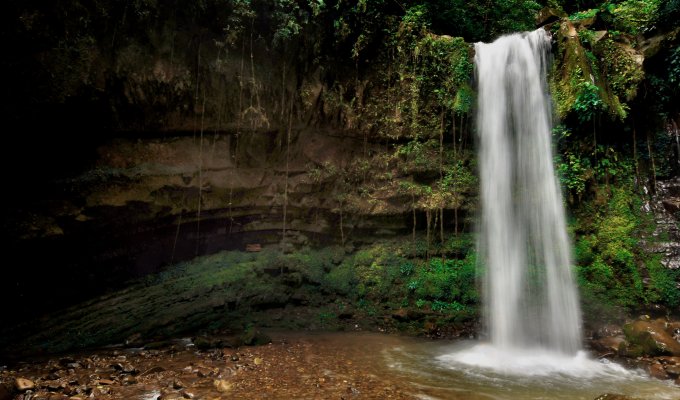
(137, 146)
(146, 133)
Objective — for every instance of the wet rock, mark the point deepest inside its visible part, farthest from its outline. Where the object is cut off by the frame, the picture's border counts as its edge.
(611, 396)
(53, 385)
(253, 337)
(169, 395)
(257, 361)
(153, 370)
(125, 368)
(187, 395)
(609, 344)
(129, 380)
(106, 382)
(222, 385)
(607, 330)
(673, 370)
(203, 343)
(64, 361)
(650, 338)
(657, 371)
(23, 384)
(177, 384)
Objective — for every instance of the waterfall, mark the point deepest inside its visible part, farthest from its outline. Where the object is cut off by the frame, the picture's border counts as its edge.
(530, 297)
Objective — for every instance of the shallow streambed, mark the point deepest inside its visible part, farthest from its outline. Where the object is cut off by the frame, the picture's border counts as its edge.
(325, 365)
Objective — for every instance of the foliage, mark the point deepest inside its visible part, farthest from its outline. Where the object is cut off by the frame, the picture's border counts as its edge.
(622, 71)
(606, 257)
(662, 283)
(448, 284)
(480, 21)
(634, 16)
(588, 102)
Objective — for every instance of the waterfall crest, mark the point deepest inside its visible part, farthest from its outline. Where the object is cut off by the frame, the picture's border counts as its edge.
(530, 296)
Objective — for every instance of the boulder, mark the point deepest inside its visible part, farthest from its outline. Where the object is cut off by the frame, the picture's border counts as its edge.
(657, 371)
(650, 338)
(548, 15)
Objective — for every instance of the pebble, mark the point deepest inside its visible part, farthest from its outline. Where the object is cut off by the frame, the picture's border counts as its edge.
(257, 361)
(23, 384)
(222, 386)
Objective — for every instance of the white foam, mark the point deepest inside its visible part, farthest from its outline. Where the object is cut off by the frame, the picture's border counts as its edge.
(531, 362)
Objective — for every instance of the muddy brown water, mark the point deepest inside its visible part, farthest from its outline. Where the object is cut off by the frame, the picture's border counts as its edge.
(348, 365)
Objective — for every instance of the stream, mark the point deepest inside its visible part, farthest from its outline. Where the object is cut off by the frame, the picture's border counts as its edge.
(342, 365)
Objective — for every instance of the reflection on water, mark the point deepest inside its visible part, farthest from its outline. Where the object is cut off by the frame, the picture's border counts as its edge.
(442, 370)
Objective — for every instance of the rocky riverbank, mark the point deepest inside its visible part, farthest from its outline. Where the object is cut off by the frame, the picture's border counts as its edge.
(649, 344)
(289, 365)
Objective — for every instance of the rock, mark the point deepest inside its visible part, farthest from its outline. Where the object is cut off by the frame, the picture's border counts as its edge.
(125, 368)
(65, 361)
(169, 395)
(203, 343)
(400, 315)
(234, 357)
(586, 22)
(608, 344)
(549, 15)
(188, 395)
(129, 380)
(671, 205)
(253, 337)
(651, 46)
(611, 396)
(177, 384)
(106, 382)
(153, 370)
(657, 371)
(53, 385)
(222, 386)
(650, 338)
(23, 384)
(673, 370)
(257, 361)
(599, 35)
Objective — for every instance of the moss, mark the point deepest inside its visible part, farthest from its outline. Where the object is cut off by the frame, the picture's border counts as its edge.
(619, 65)
(588, 83)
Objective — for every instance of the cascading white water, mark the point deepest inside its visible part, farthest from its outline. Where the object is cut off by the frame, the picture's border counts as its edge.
(531, 300)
